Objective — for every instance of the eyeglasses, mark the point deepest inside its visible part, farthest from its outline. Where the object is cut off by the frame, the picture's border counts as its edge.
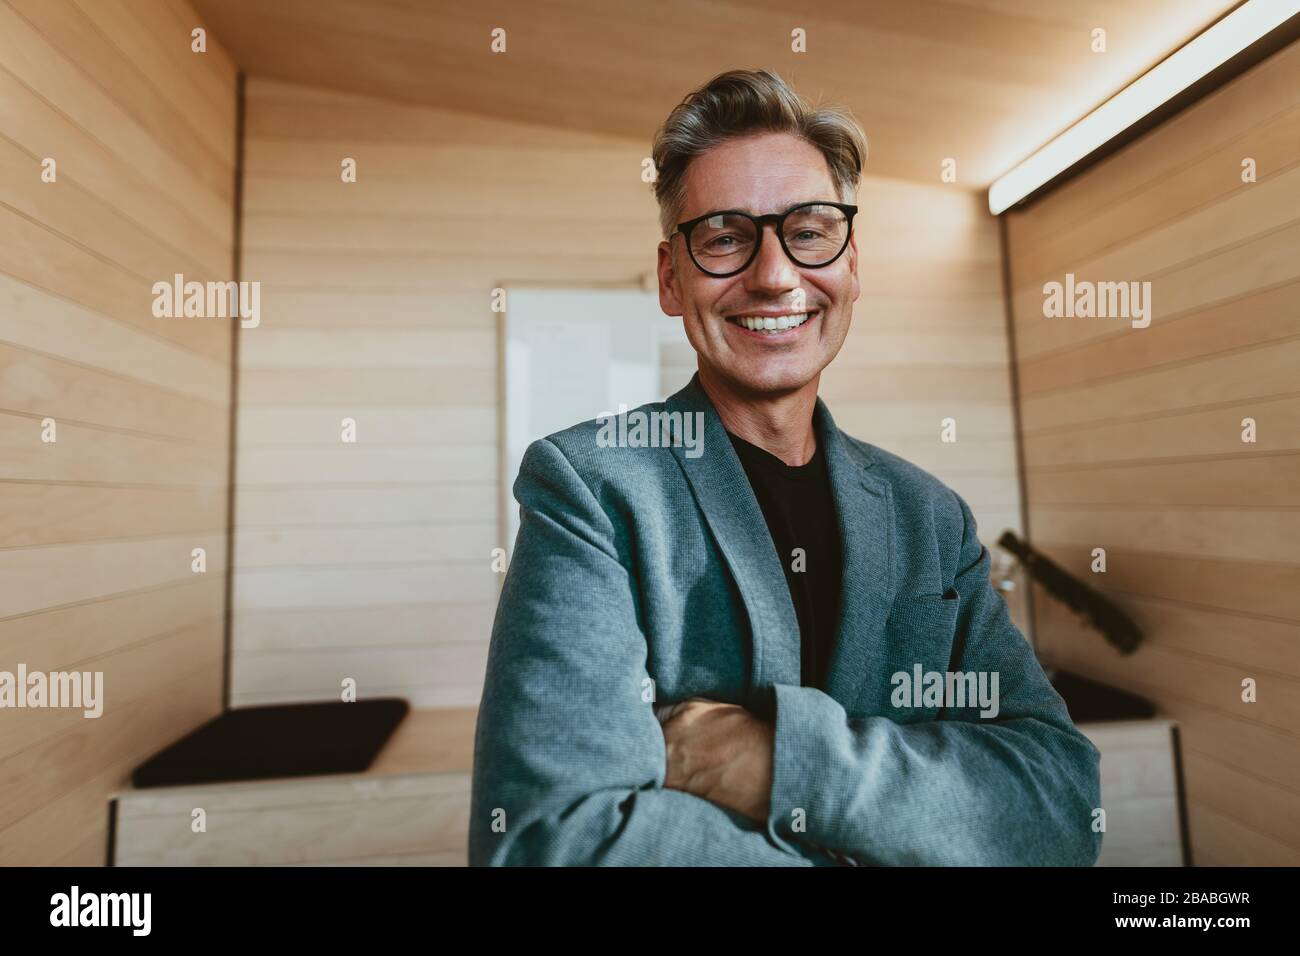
(813, 235)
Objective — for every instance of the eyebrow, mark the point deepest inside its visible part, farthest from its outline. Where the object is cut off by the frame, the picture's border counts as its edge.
(785, 208)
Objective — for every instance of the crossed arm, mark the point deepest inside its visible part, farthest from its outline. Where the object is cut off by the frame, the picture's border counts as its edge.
(573, 767)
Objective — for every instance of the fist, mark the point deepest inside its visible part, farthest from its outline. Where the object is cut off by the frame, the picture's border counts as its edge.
(720, 752)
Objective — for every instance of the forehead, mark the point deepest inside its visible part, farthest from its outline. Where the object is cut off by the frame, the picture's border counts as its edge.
(765, 173)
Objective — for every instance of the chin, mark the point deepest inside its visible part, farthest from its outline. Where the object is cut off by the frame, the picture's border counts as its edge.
(773, 381)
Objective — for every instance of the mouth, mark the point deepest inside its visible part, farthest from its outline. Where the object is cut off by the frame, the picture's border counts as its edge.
(778, 327)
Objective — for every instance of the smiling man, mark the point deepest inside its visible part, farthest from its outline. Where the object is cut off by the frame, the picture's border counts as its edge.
(695, 658)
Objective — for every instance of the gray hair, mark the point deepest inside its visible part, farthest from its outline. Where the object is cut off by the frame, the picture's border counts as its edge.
(745, 102)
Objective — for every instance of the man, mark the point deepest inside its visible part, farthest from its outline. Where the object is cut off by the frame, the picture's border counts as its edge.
(709, 658)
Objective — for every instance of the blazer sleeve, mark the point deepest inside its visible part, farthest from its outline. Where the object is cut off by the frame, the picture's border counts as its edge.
(569, 758)
(1016, 789)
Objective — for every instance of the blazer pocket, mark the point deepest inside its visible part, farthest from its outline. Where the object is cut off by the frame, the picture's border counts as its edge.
(919, 636)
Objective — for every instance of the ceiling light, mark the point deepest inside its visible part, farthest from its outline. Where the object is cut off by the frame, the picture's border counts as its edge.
(1208, 51)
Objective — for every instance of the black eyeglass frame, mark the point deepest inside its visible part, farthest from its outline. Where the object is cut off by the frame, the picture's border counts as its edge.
(778, 221)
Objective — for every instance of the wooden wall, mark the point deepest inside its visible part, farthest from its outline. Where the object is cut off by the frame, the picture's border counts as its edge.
(97, 529)
(372, 560)
(1133, 440)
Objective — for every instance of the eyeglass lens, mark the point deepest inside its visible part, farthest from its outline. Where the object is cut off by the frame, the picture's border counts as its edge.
(814, 235)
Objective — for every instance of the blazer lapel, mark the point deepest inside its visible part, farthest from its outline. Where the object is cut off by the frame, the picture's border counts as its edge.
(724, 495)
(865, 511)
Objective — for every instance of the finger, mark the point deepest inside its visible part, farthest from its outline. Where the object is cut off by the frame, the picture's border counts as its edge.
(665, 712)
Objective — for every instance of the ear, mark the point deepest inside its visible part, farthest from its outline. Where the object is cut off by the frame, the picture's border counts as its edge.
(670, 289)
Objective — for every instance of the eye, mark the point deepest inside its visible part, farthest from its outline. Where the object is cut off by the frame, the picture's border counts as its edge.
(722, 243)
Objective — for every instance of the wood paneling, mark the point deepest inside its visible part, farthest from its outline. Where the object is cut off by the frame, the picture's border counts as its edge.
(985, 82)
(373, 560)
(1133, 440)
(97, 529)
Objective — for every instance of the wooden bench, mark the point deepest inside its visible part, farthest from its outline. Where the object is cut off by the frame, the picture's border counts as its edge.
(1140, 791)
(411, 807)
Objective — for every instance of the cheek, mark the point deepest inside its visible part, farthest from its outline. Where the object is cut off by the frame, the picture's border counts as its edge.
(843, 293)
(833, 294)
(844, 287)
(702, 298)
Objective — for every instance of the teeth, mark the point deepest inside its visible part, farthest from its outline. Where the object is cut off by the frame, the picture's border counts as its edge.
(782, 323)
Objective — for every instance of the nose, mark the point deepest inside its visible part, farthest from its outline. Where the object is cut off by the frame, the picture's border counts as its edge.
(771, 271)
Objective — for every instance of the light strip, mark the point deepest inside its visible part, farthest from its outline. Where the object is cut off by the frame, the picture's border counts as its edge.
(1206, 52)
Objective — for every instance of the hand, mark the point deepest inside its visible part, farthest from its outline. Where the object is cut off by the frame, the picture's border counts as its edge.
(720, 752)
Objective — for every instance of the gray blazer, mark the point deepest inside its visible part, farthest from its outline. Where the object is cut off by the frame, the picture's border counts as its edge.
(642, 576)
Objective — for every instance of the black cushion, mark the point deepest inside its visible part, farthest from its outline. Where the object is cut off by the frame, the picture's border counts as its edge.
(280, 740)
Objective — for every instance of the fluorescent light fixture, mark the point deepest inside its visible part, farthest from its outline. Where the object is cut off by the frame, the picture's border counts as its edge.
(1208, 51)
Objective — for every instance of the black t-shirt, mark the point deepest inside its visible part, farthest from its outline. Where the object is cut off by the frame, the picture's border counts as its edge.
(799, 508)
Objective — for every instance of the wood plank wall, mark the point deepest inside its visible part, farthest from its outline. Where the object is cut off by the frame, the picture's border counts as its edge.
(372, 560)
(96, 530)
(1133, 440)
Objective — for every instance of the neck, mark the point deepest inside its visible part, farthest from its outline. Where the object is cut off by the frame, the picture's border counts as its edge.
(780, 424)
